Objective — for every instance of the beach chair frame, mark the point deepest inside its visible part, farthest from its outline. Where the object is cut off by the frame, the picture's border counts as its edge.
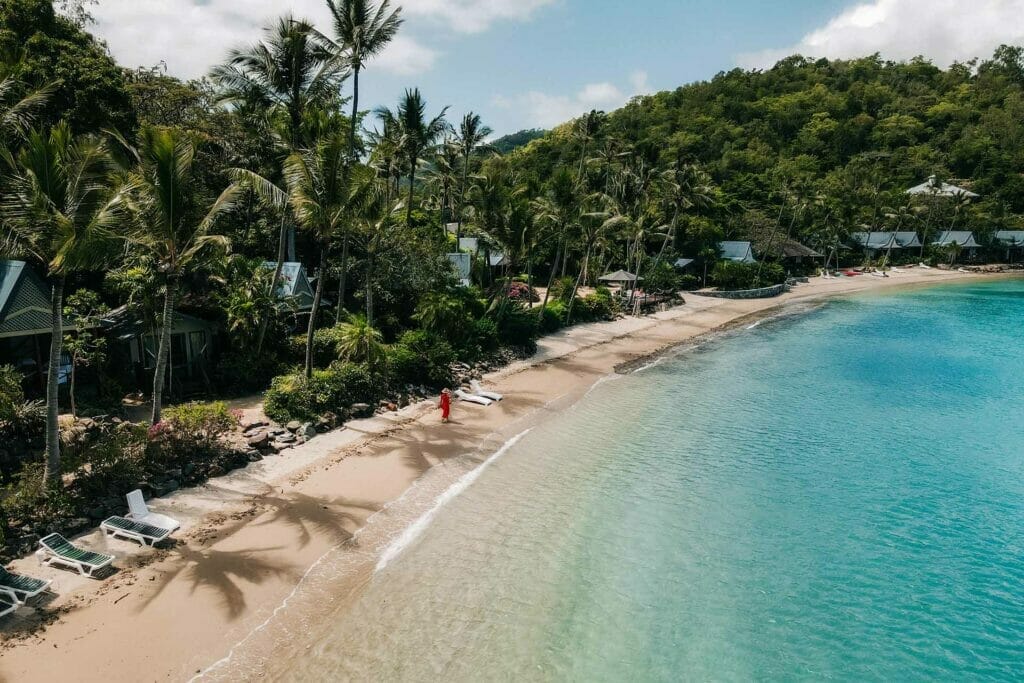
(55, 550)
(132, 530)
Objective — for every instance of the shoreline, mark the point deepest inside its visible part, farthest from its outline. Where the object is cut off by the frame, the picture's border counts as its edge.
(252, 541)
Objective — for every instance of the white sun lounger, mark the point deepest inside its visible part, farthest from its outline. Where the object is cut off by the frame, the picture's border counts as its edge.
(7, 604)
(479, 391)
(146, 534)
(21, 588)
(924, 265)
(57, 550)
(138, 511)
(470, 398)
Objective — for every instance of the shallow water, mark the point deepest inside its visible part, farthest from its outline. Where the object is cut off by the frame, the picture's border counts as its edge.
(837, 495)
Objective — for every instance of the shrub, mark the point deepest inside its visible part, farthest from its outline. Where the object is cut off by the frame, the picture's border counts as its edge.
(561, 289)
(485, 334)
(553, 317)
(518, 327)
(730, 275)
(689, 283)
(435, 357)
(664, 279)
(594, 307)
(520, 291)
(11, 394)
(201, 423)
(244, 371)
(293, 397)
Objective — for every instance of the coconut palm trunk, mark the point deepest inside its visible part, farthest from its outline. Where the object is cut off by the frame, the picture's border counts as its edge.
(412, 188)
(278, 269)
(579, 281)
(315, 312)
(164, 350)
(551, 281)
(342, 278)
(51, 471)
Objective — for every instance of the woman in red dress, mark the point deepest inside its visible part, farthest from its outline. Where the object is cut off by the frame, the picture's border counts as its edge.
(445, 405)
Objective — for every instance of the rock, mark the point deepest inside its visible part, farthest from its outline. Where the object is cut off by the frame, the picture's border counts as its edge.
(77, 524)
(293, 426)
(285, 438)
(276, 431)
(253, 424)
(392, 407)
(307, 431)
(188, 469)
(259, 441)
(215, 471)
(169, 486)
(254, 456)
(173, 473)
(325, 423)
(278, 447)
(361, 409)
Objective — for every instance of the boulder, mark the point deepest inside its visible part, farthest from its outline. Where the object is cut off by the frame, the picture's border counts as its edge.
(215, 471)
(307, 431)
(361, 409)
(259, 440)
(254, 456)
(293, 426)
(253, 424)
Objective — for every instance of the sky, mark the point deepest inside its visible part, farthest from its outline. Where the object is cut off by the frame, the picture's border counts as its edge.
(537, 63)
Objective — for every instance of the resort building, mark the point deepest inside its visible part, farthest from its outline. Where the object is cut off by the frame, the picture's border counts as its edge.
(1013, 240)
(739, 252)
(874, 243)
(25, 322)
(295, 290)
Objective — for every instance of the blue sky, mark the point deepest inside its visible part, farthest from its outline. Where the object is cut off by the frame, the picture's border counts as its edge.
(535, 63)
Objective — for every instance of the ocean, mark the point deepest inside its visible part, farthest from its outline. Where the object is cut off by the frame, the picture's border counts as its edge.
(834, 494)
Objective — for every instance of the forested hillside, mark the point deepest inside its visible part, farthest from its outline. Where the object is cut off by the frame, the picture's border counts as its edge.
(832, 145)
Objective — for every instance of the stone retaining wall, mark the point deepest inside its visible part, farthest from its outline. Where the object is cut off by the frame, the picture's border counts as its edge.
(763, 293)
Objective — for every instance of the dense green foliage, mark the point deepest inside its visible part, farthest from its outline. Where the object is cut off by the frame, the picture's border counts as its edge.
(507, 143)
(832, 145)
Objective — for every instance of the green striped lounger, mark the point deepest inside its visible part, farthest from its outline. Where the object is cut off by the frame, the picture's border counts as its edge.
(57, 550)
(21, 587)
(146, 534)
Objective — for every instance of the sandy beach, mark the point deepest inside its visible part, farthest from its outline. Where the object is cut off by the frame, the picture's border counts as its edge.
(249, 541)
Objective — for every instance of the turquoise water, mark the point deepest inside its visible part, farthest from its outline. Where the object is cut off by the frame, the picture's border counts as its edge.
(836, 495)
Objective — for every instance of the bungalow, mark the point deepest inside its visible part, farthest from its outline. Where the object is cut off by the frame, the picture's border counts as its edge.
(137, 344)
(1013, 240)
(25, 322)
(740, 252)
(874, 242)
(963, 238)
(786, 250)
(295, 289)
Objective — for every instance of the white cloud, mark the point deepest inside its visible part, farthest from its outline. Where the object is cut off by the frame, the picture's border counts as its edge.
(544, 110)
(942, 30)
(473, 16)
(193, 35)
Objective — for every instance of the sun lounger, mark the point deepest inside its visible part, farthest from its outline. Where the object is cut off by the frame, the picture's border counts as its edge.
(21, 588)
(479, 391)
(470, 398)
(924, 265)
(146, 534)
(139, 512)
(57, 550)
(7, 604)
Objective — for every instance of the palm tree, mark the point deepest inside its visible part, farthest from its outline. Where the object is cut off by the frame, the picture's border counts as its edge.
(294, 70)
(556, 211)
(472, 134)
(170, 224)
(418, 135)
(17, 114)
(361, 31)
(360, 342)
(59, 210)
(322, 192)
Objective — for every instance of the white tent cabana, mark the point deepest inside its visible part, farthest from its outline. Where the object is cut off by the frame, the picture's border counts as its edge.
(933, 188)
(740, 252)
